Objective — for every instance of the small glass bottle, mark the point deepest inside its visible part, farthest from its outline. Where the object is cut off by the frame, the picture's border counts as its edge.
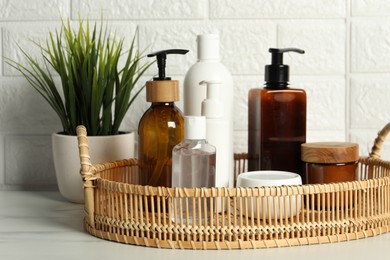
(193, 166)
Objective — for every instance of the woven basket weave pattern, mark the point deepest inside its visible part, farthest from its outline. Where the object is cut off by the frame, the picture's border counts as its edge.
(118, 209)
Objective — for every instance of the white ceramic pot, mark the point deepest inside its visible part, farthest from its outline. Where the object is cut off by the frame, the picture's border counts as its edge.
(67, 161)
(271, 206)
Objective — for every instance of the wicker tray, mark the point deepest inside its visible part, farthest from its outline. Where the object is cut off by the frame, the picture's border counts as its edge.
(118, 209)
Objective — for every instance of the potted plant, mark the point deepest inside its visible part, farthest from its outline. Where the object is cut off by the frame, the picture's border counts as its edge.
(95, 91)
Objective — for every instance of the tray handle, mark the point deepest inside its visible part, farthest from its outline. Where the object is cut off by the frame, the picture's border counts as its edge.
(376, 149)
(85, 171)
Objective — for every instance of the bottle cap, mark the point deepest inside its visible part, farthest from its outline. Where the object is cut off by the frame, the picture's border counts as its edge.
(194, 128)
(162, 91)
(277, 72)
(212, 107)
(208, 47)
(330, 152)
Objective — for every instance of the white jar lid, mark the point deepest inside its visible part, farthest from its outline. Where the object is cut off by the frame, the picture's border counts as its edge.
(268, 178)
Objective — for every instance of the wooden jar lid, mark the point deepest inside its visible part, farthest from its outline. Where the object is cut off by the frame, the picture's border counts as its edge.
(162, 91)
(330, 152)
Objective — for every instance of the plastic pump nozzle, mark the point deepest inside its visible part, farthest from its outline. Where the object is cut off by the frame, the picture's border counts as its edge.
(212, 106)
(161, 57)
(277, 72)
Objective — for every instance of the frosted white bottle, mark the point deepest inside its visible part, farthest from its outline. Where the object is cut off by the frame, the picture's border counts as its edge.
(193, 166)
(209, 67)
(217, 131)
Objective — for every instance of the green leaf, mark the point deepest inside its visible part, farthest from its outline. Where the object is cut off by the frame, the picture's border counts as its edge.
(94, 90)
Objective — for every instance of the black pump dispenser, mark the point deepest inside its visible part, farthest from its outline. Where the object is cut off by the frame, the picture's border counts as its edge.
(161, 57)
(277, 72)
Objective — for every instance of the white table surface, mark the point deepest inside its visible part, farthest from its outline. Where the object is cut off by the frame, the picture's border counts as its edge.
(42, 225)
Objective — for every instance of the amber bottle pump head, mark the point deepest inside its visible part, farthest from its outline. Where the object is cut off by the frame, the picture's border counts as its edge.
(162, 88)
(278, 73)
(161, 57)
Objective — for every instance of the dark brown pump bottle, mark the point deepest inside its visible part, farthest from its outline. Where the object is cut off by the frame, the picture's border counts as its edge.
(276, 120)
(161, 127)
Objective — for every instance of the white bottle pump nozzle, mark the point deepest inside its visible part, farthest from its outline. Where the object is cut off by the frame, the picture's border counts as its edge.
(212, 107)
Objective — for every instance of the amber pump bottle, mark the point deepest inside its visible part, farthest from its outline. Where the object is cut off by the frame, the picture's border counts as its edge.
(276, 120)
(161, 127)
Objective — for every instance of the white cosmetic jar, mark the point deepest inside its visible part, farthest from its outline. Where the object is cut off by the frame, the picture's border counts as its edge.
(270, 207)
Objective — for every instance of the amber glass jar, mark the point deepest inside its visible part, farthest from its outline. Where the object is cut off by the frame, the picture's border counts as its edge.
(330, 162)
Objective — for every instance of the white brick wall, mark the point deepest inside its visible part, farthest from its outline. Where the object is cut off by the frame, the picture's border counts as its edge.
(345, 69)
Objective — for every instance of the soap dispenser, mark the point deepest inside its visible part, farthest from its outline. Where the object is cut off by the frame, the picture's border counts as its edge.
(161, 127)
(276, 120)
(217, 131)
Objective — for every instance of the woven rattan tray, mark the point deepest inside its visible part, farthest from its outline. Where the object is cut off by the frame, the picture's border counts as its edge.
(118, 209)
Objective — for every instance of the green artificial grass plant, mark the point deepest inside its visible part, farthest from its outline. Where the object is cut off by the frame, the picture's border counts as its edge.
(94, 91)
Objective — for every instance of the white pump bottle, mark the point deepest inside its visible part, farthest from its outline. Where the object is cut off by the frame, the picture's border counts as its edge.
(217, 132)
